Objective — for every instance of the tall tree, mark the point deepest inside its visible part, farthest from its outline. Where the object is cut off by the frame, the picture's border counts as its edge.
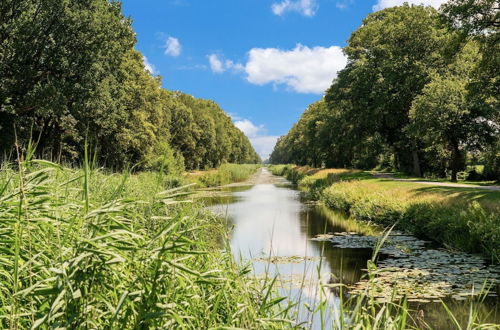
(58, 60)
(444, 116)
(390, 59)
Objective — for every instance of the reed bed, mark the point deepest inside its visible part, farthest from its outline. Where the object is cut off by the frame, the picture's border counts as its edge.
(85, 249)
(227, 173)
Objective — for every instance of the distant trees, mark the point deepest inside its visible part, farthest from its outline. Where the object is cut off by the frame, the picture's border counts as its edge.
(69, 74)
(416, 95)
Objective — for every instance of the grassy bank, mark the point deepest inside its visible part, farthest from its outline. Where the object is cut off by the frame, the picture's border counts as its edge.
(82, 248)
(226, 173)
(462, 218)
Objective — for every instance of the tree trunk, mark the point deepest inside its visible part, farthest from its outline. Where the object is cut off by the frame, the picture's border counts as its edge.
(416, 164)
(456, 161)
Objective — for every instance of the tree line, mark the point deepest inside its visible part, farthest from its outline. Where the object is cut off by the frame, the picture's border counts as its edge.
(419, 94)
(70, 76)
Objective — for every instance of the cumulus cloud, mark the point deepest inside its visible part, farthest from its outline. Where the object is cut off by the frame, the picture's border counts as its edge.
(148, 66)
(262, 143)
(173, 47)
(302, 69)
(249, 128)
(381, 4)
(304, 7)
(219, 65)
(215, 63)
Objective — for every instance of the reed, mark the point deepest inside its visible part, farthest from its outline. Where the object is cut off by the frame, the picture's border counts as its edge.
(225, 174)
(82, 248)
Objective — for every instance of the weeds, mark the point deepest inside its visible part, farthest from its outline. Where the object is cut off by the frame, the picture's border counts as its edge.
(227, 173)
(86, 249)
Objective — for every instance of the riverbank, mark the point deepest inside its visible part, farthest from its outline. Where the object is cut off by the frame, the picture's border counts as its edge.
(86, 248)
(223, 175)
(463, 218)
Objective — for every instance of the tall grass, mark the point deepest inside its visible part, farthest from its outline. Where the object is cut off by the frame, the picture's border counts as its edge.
(84, 249)
(227, 173)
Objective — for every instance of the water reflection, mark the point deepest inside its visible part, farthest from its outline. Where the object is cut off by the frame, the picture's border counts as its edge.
(270, 222)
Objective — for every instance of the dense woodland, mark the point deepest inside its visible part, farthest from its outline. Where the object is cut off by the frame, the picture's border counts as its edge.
(419, 95)
(69, 76)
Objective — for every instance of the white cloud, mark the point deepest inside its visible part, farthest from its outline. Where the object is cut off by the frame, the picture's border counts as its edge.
(173, 47)
(216, 65)
(148, 66)
(302, 69)
(305, 7)
(263, 144)
(381, 4)
(192, 67)
(219, 65)
(247, 127)
(343, 4)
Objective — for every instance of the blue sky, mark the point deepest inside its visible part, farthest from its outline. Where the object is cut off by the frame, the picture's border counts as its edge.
(262, 61)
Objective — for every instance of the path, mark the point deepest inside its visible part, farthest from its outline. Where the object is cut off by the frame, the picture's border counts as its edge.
(389, 176)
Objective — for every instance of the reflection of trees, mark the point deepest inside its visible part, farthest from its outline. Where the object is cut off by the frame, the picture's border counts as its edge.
(345, 264)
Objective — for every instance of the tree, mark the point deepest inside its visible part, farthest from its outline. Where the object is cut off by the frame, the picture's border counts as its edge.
(479, 20)
(58, 60)
(69, 75)
(442, 114)
(390, 58)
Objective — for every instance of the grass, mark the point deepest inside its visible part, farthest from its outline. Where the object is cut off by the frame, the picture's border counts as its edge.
(461, 179)
(459, 218)
(226, 173)
(467, 219)
(82, 248)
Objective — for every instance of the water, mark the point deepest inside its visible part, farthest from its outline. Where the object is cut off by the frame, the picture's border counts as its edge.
(272, 227)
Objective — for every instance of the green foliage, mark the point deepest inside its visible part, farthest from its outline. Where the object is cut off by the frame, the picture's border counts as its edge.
(86, 249)
(417, 95)
(443, 113)
(205, 135)
(52, 85)
(227, 173)
(69, 74)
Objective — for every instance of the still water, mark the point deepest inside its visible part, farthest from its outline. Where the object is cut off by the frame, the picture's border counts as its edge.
(272, 228)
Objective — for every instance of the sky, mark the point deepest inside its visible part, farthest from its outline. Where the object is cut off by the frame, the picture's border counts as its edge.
(262, 61)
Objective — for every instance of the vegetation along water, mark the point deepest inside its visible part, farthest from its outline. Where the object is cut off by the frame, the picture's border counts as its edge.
(126, 205)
